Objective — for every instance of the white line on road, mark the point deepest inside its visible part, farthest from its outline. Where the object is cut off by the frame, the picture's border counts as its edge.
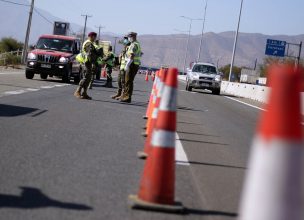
(17, 92)
(12, 73)
(244, 103)
(32, 89)
(180, 154)
(47, 87)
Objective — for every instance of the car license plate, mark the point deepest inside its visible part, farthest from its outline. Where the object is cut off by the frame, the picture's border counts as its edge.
(49, 66)
(205, 84)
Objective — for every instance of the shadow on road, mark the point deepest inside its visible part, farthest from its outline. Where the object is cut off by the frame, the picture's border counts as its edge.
(189, 123)
(139, 104)
(200, 134)
(203, 142)
(32, 198)
(210, 213)
(212, 164)
(13, 111)
(183, 108)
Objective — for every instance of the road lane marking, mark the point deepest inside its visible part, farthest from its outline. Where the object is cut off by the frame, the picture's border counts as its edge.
(180, 154)
(47, 87)
(244, 103)
(253, 106)
(32, 89)
(12, 73)
(17, 92)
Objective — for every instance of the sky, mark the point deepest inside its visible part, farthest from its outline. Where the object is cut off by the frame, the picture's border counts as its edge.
(163, 16)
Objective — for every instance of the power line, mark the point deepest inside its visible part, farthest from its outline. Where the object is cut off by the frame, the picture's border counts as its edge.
(15, 3)
(51, 22)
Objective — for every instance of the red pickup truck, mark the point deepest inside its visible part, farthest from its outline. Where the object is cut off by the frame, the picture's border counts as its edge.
(55, 55)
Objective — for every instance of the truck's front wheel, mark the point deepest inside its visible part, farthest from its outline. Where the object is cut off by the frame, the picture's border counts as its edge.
(43, 75)
(29, 74)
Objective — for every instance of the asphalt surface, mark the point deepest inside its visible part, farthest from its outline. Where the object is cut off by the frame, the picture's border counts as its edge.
(64, 158)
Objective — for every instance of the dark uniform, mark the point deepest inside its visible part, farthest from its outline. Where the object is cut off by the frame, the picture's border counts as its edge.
(122, 72)
(133, 55)
(90, 54)
(109, 62)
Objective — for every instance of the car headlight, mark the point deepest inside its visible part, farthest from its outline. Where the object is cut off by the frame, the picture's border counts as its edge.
(31, 56)
(195, 75)
(217, 78)
(63, 60)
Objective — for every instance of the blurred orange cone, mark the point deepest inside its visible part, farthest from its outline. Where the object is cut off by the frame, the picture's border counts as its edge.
(147, 76)
(152, 119)
(157, 189)
(149, 109)
(273, 185)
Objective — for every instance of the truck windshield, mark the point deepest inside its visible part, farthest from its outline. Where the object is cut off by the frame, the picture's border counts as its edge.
(55, 44)
(204, 69)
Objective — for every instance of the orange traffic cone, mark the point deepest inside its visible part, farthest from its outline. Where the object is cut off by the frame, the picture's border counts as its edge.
(153, 76)
(147, 76)
(149, 108)
(152, 120)
(157, 93)
(157, 189)
(273, 185)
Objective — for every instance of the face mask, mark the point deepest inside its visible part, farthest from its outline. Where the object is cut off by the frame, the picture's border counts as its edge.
(126, 41)
(131, 39)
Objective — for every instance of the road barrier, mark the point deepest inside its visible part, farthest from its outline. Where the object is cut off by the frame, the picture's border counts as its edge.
(254, 92)
(273, 184)
(157, 185)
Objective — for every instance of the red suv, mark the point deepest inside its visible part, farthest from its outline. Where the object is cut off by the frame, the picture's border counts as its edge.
(54, 55)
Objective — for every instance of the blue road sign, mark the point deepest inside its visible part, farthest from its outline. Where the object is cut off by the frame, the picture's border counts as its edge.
(275, 48)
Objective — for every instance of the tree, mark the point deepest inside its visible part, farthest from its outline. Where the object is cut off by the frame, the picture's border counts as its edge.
(226, 70)
(268, 61)
(8, 44)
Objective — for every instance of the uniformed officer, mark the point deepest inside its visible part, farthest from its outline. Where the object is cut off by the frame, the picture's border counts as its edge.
(89, 56)
(121, 75)
(96, 73)
(109, 60)
(133, 56)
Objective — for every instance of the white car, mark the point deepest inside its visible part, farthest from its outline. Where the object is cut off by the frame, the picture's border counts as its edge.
(204, 76)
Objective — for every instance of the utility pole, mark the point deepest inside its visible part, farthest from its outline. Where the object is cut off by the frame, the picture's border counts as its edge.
(235, 41)
(114, 49)
(28, 31)
(99, 30)
(85, 25)
(189, 34)
(203, 29)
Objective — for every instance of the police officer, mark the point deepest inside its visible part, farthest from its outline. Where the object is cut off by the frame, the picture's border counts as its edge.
(109, 62)
(121, 75)
(89, 55)
(96, 73)
(133, 56)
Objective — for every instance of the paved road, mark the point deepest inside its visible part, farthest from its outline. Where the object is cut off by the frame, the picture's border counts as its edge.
(63, 158)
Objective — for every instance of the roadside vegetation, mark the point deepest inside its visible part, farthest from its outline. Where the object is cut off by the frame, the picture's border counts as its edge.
(10, 51)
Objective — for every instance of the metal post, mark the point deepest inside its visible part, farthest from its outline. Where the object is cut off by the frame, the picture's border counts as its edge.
(28, 31)
(300, 50)
(85, 26)
(235, 41)
(255, 64)
(114, 49)
(201, 41)
(187, 47)
(99, 31)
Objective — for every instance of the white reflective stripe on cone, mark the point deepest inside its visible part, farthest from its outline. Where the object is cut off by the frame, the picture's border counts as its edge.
(273, 185)
(169, 99)
(160, 91)
(154, 113)
(163, 138)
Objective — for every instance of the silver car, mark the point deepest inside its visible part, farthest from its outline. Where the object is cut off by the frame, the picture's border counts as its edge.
(204, 76)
